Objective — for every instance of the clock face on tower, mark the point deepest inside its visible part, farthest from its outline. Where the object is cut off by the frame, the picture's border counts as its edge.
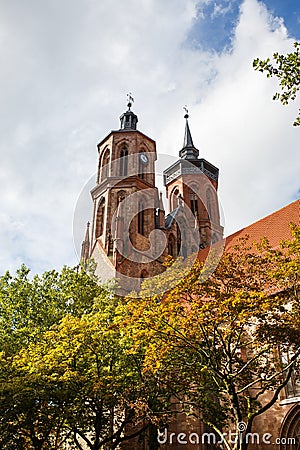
(144, 158)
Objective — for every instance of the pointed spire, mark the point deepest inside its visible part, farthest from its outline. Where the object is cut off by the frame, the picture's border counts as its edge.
(85, 248)
(87, 233)
(188, 141)
(188, 150)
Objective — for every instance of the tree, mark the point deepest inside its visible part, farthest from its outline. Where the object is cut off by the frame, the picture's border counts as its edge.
(287, 69)
(86, 360)
(67, 376)
(217, 344)
(31, 408)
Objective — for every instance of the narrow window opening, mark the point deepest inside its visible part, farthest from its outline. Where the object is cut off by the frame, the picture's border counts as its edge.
(123, 162)
(194, 203)
(141, 219)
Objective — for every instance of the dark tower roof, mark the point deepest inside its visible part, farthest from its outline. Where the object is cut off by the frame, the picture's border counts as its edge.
(188, 150)
(128, 119)
(188, 141)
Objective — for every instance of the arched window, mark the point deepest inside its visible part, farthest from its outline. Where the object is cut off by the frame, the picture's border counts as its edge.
(209, 204)
(172, 251)
(194, 203)
(100, 218)
(174, 198)
(290, 430)
(105, 165)
(123, 161)
(141, 218)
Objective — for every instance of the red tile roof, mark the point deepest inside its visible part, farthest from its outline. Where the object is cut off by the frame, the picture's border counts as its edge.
(274, 227)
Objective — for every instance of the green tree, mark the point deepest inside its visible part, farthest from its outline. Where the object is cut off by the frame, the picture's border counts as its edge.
(287, 69)
(28, 308)
(87, 360)
(217, 344)
(68, 378)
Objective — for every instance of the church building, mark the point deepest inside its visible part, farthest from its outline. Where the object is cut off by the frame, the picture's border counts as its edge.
(131, 235)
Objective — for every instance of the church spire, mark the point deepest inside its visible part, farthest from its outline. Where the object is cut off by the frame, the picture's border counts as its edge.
(188, 150)
(129, 119)
(85, 249)
(188, 141)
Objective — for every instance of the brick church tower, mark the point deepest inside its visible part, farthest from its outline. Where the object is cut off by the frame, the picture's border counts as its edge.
(131, 236)
(195, 182)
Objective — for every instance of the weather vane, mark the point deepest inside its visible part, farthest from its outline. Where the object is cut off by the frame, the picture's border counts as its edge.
(130, 100)
(186, 112)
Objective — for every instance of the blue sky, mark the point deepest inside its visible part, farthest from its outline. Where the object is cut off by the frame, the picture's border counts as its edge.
(213, 28)
(66, 67)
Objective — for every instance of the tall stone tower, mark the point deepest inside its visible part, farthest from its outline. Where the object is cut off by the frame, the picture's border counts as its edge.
(194, 181)
(126, 204)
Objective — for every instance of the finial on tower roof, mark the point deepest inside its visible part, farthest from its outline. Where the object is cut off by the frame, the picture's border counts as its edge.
(130, 100)
(129, 119)
(186, 116)
(188, 150)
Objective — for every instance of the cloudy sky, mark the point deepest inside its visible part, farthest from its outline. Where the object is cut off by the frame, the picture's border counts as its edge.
(66, 66)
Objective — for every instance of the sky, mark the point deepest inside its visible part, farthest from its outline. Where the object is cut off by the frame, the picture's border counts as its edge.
(66, 67)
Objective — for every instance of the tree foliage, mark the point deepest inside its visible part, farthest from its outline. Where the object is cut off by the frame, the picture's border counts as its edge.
(287, 69)
(217, 344)
(82, 368)
(67, 378)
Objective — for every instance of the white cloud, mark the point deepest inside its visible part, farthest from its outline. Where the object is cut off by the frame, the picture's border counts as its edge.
(221, 9)
(65, 69)
(249, 136)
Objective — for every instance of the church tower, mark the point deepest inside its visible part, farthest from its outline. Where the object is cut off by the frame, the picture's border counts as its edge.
(125, 201)
(194, 181)
(126, 160)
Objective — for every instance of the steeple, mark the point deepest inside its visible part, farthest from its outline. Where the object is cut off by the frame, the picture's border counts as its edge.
(85, 248)
(188, 141)
(129, 119)
(188, 150)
